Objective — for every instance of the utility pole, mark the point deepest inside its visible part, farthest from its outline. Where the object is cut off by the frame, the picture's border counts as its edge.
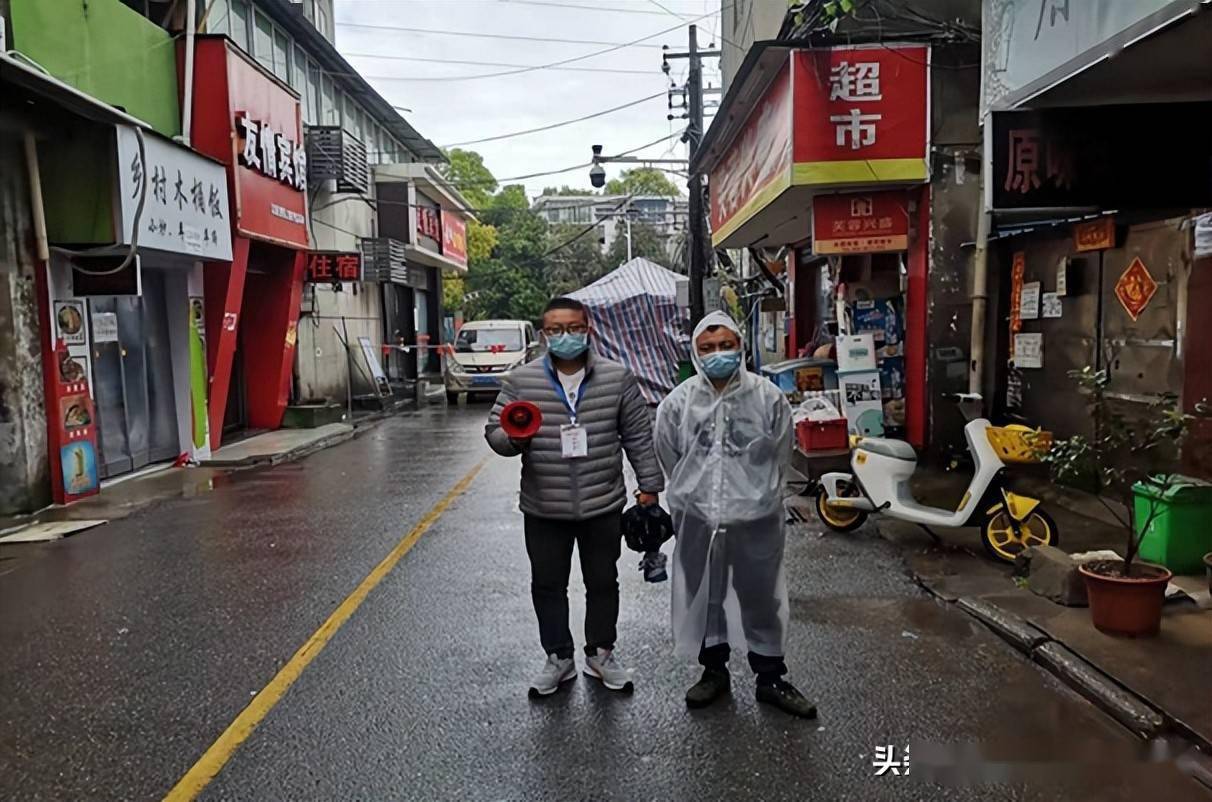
(699, 247)
(698, 211)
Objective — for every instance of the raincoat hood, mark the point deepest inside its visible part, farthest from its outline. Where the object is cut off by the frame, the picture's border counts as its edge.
(713, 319)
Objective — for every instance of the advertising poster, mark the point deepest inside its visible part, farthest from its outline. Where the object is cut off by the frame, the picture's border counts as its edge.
(1029, 301)
(69, 322)
(1028, 350)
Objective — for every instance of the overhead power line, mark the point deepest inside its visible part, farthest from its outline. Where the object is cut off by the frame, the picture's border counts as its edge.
(502, 181)
(553, 64)
(602, 113)
(476, 35)
(487, 64)
(602, 7)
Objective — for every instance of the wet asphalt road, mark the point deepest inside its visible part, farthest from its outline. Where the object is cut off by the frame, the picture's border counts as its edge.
(127, 651)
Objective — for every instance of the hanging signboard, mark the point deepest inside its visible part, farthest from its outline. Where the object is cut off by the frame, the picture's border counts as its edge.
(870, 222)
(454, 237)
(862, 114)
(756, 168)
(251, 123)
(185, 207)
(1096, 235)
(329, 267)
(1135, 288)
(427, 223)
(1104, 157)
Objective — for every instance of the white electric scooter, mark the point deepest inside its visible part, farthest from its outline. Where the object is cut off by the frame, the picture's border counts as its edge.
(880, 484)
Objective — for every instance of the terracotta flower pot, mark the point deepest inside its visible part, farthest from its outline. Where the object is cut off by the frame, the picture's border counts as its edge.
(1125, 605)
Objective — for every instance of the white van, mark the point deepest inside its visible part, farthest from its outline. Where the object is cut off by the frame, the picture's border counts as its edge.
(484, 351)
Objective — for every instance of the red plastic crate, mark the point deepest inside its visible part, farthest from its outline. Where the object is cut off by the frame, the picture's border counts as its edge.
(822, 435)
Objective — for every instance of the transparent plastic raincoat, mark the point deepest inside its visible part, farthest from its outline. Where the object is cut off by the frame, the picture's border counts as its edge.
(725, 455)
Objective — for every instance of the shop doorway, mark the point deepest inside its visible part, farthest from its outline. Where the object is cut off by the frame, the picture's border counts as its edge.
(133, 379)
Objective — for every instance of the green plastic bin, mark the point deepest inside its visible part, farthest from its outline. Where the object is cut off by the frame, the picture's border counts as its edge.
(1181, 534)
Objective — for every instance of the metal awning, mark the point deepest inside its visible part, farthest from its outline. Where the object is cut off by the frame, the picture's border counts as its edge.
(17, 72)
(1163, 57)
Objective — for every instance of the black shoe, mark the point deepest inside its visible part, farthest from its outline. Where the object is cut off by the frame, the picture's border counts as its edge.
(714, 683)
(784, 696)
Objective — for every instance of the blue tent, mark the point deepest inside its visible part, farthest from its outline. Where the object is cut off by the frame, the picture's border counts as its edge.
(637, 321)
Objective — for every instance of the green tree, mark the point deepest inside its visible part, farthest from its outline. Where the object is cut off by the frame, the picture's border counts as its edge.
(574, 258)
(475, 182)
(566, 190)
(642, 181)
(511, 198)
(645, 242)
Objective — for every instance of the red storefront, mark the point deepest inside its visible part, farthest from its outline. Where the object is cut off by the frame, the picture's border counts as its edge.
(251, 122)
(826, 152)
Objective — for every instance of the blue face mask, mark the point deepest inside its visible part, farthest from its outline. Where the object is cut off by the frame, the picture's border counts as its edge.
(568, 346)
(721, 364)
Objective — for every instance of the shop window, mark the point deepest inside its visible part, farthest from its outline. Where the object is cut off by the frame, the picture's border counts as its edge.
(218, 19)
(330, 111)
(309, 87)
(352, 119)
(282, 50)
(239, 23)
(263, 41)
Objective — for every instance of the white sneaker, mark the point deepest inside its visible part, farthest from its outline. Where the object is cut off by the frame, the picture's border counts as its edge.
(605, 666)
(555, 672)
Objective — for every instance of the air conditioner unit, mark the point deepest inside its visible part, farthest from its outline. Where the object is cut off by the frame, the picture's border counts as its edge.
(384, 261)
(333, 154)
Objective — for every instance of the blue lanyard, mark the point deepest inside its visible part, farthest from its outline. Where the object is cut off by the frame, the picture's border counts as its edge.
(559, 389)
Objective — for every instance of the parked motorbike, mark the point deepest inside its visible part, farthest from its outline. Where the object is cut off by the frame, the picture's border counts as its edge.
(882, 468)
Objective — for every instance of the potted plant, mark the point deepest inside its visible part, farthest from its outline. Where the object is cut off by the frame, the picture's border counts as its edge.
(1125, 595)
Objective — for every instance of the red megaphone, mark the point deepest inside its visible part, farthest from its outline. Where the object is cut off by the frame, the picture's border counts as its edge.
(521, 420)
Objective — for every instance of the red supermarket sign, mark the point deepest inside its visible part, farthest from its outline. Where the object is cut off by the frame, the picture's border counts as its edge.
(862, 222)
(840, 117)
(862, 114)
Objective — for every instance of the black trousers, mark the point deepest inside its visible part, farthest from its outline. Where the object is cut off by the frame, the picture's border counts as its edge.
(767, 668)
(549, 546)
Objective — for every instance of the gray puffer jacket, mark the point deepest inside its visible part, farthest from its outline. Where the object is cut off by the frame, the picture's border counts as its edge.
(615, 418)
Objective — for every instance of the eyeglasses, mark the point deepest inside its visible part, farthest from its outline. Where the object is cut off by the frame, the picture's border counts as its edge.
(556, 331)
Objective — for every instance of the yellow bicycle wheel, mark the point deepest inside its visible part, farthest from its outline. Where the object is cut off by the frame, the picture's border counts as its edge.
(1004, 543)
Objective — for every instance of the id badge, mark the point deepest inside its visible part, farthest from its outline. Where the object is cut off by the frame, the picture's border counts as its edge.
(574, 442)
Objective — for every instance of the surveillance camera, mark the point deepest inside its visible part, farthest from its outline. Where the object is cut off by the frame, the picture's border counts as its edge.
(597, 176)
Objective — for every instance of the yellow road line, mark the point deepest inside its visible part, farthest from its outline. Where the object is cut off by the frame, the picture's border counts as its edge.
(221, 751)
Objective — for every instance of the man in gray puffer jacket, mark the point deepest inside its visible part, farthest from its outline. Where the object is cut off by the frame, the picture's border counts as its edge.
(572, 487)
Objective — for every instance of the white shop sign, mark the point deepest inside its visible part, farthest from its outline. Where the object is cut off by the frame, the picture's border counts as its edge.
(185, 209)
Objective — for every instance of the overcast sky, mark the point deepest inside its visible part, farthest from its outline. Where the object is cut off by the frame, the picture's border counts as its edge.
(451, 111)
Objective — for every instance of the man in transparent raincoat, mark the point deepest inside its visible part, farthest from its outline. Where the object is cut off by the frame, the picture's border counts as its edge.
(724, 440)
